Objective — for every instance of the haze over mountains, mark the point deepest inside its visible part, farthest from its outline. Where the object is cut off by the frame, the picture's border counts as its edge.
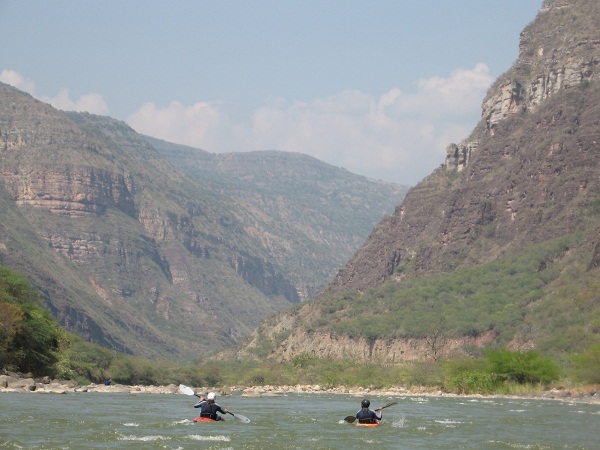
(161, 250)
(501, 244)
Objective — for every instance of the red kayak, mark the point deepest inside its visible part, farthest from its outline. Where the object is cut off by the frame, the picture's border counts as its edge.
(206, 419)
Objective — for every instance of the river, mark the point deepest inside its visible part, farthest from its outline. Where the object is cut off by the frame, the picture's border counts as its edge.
(295, 421)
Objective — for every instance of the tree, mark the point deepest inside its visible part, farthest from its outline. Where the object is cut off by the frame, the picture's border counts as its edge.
(436, 339)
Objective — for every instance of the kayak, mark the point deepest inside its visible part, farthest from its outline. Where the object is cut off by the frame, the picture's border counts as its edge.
(206, 419)
(373, 424)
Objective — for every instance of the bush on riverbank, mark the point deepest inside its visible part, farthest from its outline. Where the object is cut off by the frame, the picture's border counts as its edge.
(29, 336)
(498, 371)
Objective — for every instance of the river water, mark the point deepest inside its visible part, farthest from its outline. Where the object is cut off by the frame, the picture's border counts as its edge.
(153, 421)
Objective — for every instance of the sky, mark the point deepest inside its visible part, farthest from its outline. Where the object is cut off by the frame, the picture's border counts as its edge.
(378, 87)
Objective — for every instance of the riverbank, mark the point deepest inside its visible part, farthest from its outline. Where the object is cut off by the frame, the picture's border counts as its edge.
(590, 395)
(25, 383)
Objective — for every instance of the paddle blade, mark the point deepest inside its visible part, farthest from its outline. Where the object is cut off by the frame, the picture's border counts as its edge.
(242, 418)
(186, 390)
(350, 419)
(239, 417)
(389, 404)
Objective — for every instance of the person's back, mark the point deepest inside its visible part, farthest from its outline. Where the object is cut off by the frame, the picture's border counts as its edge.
(209, 409)
(366, 415)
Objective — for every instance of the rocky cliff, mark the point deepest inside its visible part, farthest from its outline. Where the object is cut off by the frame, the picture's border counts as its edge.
(527, 175)
(525, 172)
(550, 60)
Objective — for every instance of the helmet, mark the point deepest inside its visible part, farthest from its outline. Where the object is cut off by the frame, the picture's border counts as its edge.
(211, 396)
(365, 403)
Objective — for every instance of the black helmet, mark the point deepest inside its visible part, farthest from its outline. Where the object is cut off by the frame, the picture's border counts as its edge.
(365, 403)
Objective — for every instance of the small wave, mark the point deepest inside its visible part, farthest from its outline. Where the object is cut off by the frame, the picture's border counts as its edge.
(131, 424)
(398, 423)
(178, 422)
(517, 445)
(197, 437)
(143, 438)
(448, 421)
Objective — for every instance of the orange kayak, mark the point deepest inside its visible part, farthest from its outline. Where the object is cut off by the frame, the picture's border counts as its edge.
(373, 424)
(206, 419)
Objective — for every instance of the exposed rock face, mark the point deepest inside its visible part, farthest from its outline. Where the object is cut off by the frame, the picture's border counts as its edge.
(549, 60)
(458, 156)
(331, 346)
(78, 192)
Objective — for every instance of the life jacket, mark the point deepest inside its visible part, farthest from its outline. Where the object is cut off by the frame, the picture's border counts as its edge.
(210, 410)
(365, 415)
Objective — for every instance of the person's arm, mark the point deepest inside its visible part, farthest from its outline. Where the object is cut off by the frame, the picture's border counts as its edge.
(379, 413)
(200, 402)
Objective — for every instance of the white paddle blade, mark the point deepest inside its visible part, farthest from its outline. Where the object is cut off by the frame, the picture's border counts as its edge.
(186, 390)
(242, 418)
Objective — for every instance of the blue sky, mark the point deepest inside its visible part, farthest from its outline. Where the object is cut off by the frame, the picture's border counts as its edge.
(379, 87)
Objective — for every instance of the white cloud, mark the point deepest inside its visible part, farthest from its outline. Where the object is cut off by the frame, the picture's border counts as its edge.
(15, 79)
(91, 102)
(396, 136)
(198, 125)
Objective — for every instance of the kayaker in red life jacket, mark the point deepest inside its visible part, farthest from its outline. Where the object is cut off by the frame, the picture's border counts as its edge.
(208, 407)
(366, 415)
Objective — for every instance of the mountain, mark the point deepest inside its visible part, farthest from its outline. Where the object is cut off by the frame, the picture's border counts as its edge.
(498, 246)
(152, 253)
(308, 205)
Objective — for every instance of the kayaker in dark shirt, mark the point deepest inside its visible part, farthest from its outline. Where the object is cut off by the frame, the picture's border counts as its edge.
(208, 407)
(366, 415)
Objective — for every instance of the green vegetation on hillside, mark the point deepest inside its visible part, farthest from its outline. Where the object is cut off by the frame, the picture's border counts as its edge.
(544, 288)
(29, 336)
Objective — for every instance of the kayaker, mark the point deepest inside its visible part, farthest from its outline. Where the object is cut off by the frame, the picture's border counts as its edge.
(366, 415)
(208, 407)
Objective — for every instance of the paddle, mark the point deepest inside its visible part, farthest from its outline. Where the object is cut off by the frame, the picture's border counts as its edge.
(189, 391)
(351, 419)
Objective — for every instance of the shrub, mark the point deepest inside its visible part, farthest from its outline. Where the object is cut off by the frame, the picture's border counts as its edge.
(472, 382)
(522, 367)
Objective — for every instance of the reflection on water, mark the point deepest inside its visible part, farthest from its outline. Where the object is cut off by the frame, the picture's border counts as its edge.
(148, 421)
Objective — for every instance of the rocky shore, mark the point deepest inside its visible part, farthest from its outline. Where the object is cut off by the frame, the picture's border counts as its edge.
(25, 383)
(591, 395)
